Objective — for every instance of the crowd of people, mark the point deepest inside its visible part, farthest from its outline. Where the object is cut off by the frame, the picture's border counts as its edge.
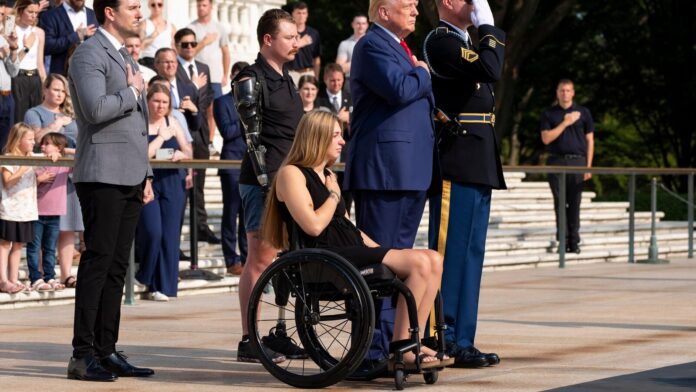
(74, 79)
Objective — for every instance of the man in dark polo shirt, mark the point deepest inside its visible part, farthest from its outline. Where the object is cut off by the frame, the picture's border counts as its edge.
(282, 109)
(307, 60)
(567, 128)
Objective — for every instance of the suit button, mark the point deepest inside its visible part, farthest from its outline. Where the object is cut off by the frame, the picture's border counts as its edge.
(144, 133)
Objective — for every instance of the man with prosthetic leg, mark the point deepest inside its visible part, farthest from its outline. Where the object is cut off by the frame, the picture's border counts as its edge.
(270, 109)
(462, 78)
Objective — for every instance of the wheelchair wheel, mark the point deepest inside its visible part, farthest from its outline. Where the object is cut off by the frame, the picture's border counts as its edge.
(325, 308)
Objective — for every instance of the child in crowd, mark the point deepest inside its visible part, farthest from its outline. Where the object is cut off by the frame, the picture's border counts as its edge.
(51, 199)
(17, 208)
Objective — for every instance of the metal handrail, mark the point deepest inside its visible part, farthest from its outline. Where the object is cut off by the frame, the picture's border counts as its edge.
(632, 172)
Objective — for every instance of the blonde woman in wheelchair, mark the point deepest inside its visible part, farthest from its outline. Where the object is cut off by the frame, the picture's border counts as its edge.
(305, 191)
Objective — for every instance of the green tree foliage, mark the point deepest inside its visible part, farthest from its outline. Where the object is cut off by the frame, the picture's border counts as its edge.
(632, 62)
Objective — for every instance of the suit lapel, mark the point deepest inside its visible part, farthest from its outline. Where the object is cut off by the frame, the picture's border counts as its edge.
(110, 50)
(64, 19)
(392, 43)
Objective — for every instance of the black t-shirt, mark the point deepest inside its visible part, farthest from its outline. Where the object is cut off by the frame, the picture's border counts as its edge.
(306, 55)
(279, 118)
(572, 140)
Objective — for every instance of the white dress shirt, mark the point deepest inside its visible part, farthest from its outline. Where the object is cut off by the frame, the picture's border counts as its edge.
(77, 18)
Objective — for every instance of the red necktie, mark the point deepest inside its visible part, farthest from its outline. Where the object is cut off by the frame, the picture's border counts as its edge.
(408, 51)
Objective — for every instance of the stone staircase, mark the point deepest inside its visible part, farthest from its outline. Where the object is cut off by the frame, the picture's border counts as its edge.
(521, 234)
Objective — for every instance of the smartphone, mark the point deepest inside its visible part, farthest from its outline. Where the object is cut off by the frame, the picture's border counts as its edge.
(9, 24)
(164, 153)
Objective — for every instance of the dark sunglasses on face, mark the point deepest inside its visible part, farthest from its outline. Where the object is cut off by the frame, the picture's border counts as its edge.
(158, 5)
(187, 45)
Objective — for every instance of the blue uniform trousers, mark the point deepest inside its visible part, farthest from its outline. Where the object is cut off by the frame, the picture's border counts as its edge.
(391, 219)
(458, 225)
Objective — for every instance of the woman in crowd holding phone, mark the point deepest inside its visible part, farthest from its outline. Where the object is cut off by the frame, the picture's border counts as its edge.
(159, 229)
(56, 114)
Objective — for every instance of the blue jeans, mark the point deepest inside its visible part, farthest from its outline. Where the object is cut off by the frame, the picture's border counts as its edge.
(46, 231)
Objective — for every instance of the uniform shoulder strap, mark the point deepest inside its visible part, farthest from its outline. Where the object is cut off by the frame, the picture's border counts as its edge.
(439, 32)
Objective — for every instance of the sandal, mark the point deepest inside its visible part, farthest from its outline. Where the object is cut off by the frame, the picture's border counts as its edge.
(56, 285)
(70, 282)
(409, 366)
(41, 286)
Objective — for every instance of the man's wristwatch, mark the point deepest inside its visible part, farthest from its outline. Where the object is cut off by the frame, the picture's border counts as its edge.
(26, 50)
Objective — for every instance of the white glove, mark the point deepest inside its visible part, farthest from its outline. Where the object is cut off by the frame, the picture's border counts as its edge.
(482, 13)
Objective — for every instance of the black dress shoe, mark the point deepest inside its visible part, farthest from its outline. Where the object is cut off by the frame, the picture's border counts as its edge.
(116, 363)
(209, 237)
(468, 357)
(183, 256)
(88, 368)
(493, 358)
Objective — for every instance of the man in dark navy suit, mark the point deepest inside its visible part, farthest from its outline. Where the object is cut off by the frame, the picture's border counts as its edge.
(337, 99)
(233, 147)
(390, 156)
(470, 163)
(66, 26)
(197, 73)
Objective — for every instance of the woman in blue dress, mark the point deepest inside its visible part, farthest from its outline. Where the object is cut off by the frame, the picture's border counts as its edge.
(159, 228)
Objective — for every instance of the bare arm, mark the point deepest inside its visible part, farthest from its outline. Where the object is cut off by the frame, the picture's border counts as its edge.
(590, 153)
(344, 63)
(40, 54)
(184, 145)
(368, 241)
(11, 179)
(146, 40)
(317, 66)
(291, 188)
(549, 135)
(225, 64)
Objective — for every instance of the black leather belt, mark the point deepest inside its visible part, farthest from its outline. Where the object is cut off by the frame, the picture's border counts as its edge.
(568, 156)
(28, 72)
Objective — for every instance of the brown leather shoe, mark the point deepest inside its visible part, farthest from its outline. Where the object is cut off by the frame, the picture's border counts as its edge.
(235, 269)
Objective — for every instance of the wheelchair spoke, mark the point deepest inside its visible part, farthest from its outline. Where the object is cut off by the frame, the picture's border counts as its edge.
(300, 296)
(275, 305)
(335, 339)
(337, 307)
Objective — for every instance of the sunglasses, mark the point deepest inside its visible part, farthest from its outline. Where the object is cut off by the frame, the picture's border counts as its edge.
(188, 45)
(158, 5)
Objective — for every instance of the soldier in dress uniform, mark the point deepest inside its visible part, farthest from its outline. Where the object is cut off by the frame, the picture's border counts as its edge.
(469, 160)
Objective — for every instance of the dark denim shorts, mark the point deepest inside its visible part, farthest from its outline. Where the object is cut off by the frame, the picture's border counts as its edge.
(253, 201)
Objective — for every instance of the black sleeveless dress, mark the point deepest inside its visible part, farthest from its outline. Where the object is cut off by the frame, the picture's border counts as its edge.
(340, 236)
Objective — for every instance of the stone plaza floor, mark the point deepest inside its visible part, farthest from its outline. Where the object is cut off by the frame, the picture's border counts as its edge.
(593, 327)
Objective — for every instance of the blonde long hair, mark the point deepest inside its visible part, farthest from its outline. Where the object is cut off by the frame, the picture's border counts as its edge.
(17, 132)
(312, 141)
(66, 107)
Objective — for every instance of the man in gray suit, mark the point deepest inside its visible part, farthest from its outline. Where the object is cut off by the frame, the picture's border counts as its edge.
(112, 176)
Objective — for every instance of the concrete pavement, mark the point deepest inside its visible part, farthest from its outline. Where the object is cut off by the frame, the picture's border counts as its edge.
(595, 327)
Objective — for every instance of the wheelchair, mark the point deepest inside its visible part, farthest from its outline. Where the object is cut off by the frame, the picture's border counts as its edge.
(325, 306)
